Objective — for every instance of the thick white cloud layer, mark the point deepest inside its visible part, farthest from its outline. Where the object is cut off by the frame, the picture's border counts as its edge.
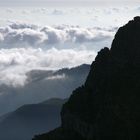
(25, 47)
(21, 35)
(16, 62)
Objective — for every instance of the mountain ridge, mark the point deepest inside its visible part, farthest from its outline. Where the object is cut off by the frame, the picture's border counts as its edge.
(107, 105)
(30, 119)
(42, 85)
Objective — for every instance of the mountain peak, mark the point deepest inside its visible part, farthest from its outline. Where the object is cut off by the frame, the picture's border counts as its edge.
(107, 105)
(126, 44)
(137, 19)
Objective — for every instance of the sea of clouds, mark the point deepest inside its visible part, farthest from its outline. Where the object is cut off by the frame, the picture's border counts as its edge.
(24, 47)
(25, 35)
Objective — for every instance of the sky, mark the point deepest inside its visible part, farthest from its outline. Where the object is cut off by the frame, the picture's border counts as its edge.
(65, 2)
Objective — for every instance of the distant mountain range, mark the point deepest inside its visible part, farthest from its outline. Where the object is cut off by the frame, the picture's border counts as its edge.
(42, 85)
(31, 119)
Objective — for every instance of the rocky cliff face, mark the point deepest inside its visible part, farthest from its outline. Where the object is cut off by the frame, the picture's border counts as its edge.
(107, 106)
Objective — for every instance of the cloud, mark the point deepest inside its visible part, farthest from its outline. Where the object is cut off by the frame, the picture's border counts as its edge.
(21, 35)
(57, 12)
(117, 10)
(9, 10)
(17, 25)
(25, 47)
(62, 76)
(16, 62)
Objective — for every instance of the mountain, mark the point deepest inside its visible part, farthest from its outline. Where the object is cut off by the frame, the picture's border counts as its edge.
(107, 106)
(42, 85)
(30, 119)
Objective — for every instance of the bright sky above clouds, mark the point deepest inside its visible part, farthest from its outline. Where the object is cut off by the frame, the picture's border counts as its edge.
(64, 2)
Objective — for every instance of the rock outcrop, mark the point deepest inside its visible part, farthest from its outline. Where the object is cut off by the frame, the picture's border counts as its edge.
(107, 106)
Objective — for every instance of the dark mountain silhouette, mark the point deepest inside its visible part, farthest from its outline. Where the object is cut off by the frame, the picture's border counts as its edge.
(107, 106)
(42, 85)
(28, 120)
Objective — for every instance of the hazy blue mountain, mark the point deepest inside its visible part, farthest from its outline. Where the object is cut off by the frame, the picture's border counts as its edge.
(42, 85)
(31, 119)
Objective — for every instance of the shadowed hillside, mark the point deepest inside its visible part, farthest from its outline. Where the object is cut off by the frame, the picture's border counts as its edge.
(107, 106)
(31, 119)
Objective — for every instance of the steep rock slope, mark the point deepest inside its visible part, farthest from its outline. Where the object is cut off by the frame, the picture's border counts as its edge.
(107, 106)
